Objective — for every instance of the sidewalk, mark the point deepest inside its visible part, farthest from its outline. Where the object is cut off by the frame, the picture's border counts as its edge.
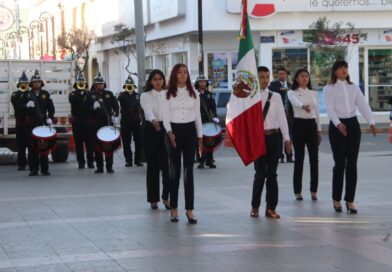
(75, 220)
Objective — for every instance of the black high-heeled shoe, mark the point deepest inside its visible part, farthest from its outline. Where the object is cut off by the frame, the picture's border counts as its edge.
(166, 203)
(299, 197)
(173, 219)
(191, 220)
(351, 210)
(337, 209)
(154, 206)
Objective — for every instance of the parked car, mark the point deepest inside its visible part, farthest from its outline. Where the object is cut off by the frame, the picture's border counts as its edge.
(222, 97)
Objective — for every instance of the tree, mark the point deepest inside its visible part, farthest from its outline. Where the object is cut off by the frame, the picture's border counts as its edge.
(125, 39)
(77, 42)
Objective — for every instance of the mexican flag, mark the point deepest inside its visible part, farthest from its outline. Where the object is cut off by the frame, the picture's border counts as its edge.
(244, 120)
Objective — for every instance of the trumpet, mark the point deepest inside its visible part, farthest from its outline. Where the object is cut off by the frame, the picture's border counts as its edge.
(81, 85)
(23, 87)
(130, 87)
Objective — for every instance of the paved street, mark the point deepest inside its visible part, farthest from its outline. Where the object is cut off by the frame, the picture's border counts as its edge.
(75, 220)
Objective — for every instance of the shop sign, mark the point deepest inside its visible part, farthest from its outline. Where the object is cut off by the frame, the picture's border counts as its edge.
(265, 8)
(290, 38)
(6, 18)
(386, 36)
(161, 10)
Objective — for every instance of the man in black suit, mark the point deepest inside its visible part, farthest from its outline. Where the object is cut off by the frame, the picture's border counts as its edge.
(281, 86)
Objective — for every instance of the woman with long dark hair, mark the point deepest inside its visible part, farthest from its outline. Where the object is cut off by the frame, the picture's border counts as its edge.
(152, 100)
(306, 131)
(342, 98)
(182, 121)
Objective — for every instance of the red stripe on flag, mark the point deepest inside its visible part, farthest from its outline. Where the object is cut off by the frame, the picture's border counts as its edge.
(262, 10)
(247, 134)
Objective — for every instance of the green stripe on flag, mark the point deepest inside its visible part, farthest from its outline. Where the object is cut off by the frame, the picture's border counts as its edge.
(246, 44)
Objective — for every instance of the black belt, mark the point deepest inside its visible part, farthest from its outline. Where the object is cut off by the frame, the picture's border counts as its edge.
(271, 131)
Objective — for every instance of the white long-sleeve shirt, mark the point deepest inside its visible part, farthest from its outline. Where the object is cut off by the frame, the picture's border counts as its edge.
(276, 116)
(342, 100)
(152, 104)
(182, 109)
(303, 97)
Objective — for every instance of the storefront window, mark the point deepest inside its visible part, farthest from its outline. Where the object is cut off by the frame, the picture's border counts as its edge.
(162, 63)
(380, 78)
(290, 59)
(180, 58)
(218, 70)
(321, 62)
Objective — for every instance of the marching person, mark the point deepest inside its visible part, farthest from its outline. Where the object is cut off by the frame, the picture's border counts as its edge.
(154, 134)
(342, 98)
(81, 126)
(19, 99)
(281, 85)
(105, 112)
(129, 101)
(208, 114)
(275, 122)
(306, 131)
(40, 111)
(182, 122)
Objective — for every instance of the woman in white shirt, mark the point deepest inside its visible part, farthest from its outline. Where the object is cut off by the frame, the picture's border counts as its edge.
(306, 131)
(342, 98)
(182, 121)
(152, 100)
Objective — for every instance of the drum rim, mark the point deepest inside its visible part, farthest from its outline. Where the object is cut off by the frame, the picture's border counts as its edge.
(215, 135)
(44, 138)
(109, 142)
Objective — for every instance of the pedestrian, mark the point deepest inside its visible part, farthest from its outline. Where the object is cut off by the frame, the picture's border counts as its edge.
(81, 124)
(342, 99)
(208, 114)
(19, 99)
(129, 100)
(154, 134)
(182, 121)
(306, 131)
(281, 85)
(40, 111)
(275, 123)
(105, 112)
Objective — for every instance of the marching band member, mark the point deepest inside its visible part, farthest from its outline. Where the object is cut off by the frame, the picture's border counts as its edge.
(182, 122)
(81, 126)
(208, 114)
(275, 122)
(342, 98)
(129, 101)
(40, 110)
(152, 100)
(306, 131)
(105, 112)
(19, 99)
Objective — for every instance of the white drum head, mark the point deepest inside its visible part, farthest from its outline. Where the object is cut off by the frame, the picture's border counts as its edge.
(108, 134)
(211, 129)
(44, 132)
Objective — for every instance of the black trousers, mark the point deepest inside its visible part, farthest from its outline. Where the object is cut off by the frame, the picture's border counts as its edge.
(22, 143)
(186, 140)
(345, 154)
(127, 131)
(83, 135)
(305, 134)
(266, 167)
(98, 153)
(157, 160)
(35, 158)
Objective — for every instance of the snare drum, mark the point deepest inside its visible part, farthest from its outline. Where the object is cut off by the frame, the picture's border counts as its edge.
(212, 136)
(43, 139)
(108, 139)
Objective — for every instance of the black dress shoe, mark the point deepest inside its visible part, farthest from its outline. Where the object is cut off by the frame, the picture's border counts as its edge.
(138, 164)
(110, 170)
(81, 166)
(90, 165)
(191, 220)
(211, 165)
(154, 206)
(281, 160)
(314, 196)
(33, 173)
(200, 166)
(299, 197)
(21, 167)
(290, 160)
(128, 164)
(351, 210)
(173, 219)
(337, 208)
(46, 173)
(98, 171)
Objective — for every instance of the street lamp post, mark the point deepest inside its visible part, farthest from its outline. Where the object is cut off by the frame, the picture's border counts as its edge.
(35, 26)
(44, 17)
(22, 30)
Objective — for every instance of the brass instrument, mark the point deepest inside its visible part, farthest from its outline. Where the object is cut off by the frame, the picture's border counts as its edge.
(130, 87)
(81, 85)
(23, 87)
